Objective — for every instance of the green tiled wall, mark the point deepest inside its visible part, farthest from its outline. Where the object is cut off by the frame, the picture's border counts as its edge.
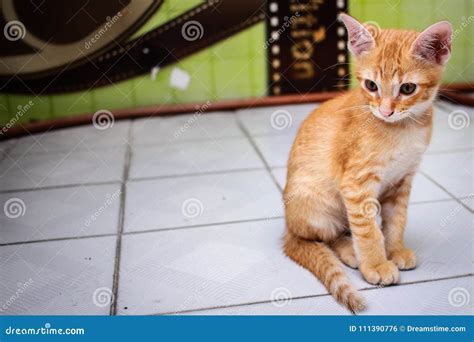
(237, 67)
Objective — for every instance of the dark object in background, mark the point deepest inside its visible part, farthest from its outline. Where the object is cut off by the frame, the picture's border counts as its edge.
(307, 46)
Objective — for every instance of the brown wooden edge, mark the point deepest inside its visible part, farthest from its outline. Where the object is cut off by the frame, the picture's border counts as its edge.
(466, 99)
(452, 92)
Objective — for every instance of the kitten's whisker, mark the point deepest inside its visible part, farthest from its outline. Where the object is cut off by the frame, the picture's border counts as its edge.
(411, 117)
(335, 65)
(353, 107)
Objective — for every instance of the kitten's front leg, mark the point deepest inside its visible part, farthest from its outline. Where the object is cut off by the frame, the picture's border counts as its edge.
(394, 218)
(361, 206)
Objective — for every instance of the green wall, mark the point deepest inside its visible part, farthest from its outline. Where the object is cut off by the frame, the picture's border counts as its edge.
(237, 67)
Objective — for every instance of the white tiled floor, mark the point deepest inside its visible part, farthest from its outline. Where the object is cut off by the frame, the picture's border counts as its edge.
(62, 168)
(193, 157)
(62, 213)
(184, 215)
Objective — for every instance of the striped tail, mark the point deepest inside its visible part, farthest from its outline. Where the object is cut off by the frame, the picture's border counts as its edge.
(318, 258)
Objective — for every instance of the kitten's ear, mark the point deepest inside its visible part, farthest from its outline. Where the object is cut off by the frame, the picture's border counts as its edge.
(360, 39)
(434, 43)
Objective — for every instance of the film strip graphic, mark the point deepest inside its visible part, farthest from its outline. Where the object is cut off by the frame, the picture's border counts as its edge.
(306, 46)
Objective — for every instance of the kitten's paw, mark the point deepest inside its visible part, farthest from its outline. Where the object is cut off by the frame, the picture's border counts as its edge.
(404, 258)
(385, 273)
(345, 251)
(350, 260)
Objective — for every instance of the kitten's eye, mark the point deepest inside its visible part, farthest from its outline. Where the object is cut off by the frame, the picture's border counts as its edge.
(407, 88)
(370, 85)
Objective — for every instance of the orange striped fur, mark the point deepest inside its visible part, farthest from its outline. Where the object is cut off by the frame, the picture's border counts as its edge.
(352, 160)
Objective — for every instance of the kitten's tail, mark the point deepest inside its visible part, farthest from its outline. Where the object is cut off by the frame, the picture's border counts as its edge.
(318, 258)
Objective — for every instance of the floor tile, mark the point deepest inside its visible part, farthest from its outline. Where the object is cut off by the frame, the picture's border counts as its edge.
(204, 267)
(209, 269)
(6, 145)
(59, 213)
(214, 266)
(469, 202)
(440, 233)
(185, 127)
(193, 157)
(280, 176)
(197, 200)
(423, 189)
(74, 139)
(453, 128)
(79, 167)
(71, 277)
(275, 120)
(2, 155)
(325, 305)
(275, 148)
(453, 171)
(442, 297)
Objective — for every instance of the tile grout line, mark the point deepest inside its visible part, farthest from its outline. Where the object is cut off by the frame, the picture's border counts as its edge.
(260, 155)
(448, 192)
(195, 174)
(266, 166)
(84, 148)
(178, 228)
(62, 186)
(311, 296)
(156, 230)
(453, 150)
(118, 249)
(113, 147)
(56, 239)
(66, 186)
(204, 225)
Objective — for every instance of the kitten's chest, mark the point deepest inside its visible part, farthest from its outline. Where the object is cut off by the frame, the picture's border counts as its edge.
(403, 158)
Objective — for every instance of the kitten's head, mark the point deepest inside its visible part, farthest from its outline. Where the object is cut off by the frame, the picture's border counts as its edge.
(399, 70)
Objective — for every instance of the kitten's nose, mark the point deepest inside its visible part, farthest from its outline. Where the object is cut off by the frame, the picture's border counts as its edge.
(386, 107)
(386, 111)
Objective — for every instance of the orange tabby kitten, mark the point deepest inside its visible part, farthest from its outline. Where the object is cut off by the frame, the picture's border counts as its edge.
(357, 154)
